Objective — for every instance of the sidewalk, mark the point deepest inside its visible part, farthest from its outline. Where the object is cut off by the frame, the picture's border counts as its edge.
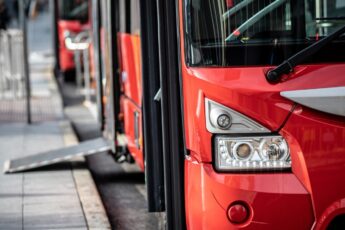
(41, 199)
(57, 197)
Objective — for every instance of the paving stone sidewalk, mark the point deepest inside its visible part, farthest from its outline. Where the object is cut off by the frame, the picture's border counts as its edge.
(56, 197)
(45, 199)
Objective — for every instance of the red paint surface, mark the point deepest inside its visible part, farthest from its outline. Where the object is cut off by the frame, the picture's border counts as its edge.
(319, 148)
(316, 140)
(131, 99)
(242, 89)
(277, 201)
(130, 66)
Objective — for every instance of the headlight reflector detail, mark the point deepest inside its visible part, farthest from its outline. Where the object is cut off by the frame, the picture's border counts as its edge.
(252, 153)
(220, 119)
(224, 121)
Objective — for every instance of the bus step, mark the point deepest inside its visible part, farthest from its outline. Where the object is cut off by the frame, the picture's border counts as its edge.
(56, 156)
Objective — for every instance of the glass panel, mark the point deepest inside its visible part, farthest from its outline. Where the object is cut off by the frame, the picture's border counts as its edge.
(74, 10)
(123, 16)
(135, 17)
(256, 32)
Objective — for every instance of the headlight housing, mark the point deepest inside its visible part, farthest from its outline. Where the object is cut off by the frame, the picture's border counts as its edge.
(257, 153)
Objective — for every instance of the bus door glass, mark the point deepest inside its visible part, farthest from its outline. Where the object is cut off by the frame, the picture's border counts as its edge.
(108, 70)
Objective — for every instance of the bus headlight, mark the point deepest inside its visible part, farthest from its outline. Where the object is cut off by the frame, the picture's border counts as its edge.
(251, 153)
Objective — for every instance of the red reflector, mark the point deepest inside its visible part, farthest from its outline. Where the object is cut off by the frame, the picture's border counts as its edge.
(238, 213)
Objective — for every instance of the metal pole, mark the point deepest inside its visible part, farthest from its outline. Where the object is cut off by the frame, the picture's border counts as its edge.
(54, 9)
(80, 39)
(87, 75)
(77, 54)
(23, 23)
(96, 22)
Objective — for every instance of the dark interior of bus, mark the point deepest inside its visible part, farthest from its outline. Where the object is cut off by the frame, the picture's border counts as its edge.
(224, 33)
(74, 10)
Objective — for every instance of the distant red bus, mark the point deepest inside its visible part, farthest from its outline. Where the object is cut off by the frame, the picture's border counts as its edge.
(72, 18)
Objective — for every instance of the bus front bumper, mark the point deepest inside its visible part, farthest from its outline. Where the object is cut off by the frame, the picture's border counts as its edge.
(272, 200)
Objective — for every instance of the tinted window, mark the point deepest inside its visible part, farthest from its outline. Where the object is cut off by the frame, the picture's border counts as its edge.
(259, 32)
(74, 10)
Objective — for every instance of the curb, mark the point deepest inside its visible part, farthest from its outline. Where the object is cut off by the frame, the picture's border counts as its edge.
(90, 200)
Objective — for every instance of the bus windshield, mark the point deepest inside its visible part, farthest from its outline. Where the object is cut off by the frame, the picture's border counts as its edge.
(74, 10)
(260, 32)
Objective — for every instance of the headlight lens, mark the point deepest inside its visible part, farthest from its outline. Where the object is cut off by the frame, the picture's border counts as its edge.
(252, 153)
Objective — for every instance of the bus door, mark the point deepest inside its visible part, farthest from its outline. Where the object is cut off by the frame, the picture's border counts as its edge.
(97, 59)
(162, 111)
(174, 151)
(125, 77)
(152, 110)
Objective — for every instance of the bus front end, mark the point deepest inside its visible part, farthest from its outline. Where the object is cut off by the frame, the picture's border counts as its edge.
(261, 154)
(73, 18)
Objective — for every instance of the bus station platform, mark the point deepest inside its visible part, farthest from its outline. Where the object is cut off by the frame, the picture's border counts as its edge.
(63, 196)
(56, 197)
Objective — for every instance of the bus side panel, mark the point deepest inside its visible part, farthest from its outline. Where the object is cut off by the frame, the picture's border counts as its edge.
(130, 67)
(133, 130)
(131, 94)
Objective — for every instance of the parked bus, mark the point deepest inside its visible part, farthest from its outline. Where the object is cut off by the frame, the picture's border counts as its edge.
(233, 108)
(263, 140)
(72, 17)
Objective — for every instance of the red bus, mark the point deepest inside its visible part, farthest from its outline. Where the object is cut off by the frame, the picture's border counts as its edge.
(71, 18)
(233, 108)
(261, 138)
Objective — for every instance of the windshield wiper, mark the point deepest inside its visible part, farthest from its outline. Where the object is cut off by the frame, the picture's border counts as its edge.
(274, 75)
